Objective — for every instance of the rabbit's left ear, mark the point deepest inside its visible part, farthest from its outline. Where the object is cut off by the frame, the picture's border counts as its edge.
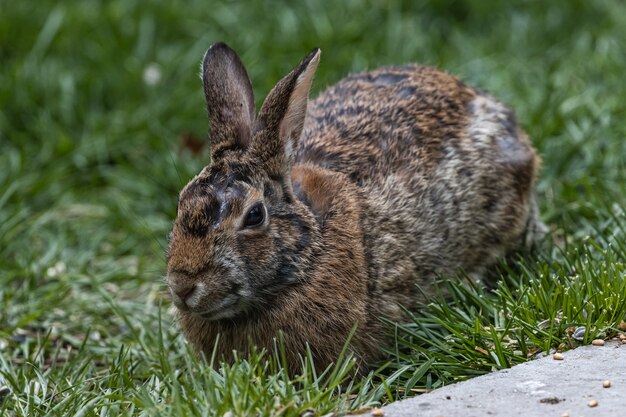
(283, 112)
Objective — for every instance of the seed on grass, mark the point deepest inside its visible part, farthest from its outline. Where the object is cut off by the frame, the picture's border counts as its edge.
(592, 403)
(18, 338)
(597, 342)
(4, 392)
(606, 383)
(481, 350)
(309, 412)
(378, 412)
(557, 356)
(544, 324)
(579, 333)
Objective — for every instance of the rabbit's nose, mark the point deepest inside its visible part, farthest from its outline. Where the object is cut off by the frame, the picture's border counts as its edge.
(181, 292)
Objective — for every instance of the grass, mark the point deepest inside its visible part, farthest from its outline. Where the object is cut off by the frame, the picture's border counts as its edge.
(92, 160)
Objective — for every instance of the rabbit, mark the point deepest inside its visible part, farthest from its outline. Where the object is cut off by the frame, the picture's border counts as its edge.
(318, 219)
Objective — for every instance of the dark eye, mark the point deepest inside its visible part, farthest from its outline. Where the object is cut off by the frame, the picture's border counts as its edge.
(255, 216)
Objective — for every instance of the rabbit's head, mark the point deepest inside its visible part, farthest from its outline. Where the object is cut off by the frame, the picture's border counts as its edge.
(240, 235)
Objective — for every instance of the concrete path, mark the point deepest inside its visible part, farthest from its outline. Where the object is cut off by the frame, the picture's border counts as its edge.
(544, 387)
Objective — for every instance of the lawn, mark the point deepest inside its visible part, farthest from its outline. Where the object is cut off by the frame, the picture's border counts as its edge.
(100, 104)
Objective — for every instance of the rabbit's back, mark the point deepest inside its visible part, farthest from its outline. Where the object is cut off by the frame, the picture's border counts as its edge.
(408, 119)
(445, 173)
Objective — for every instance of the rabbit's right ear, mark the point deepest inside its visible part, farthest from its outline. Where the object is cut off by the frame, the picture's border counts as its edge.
(229, 99)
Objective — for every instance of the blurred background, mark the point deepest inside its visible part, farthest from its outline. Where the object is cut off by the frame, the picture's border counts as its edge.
(102, 118)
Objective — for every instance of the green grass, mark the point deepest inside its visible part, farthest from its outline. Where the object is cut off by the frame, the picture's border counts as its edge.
(92, 162)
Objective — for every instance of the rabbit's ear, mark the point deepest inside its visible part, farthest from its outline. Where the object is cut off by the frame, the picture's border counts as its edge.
(229, 98)
(283, 112)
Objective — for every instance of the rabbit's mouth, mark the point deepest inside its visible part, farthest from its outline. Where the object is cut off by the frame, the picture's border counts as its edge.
(229, 308)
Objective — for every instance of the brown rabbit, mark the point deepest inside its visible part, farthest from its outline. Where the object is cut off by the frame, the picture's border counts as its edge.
(312, 222)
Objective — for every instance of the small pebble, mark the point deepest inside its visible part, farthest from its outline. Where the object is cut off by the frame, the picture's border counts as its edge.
(622, 325)
(597, 342)
(606, 384)
(557, 356)
(622, 336)
(592, 403)
(378, 412)
(565, 415)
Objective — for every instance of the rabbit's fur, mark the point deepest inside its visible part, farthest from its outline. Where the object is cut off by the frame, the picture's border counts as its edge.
(395, 176)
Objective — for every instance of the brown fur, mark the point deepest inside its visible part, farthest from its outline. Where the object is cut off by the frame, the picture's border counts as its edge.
(394, 177)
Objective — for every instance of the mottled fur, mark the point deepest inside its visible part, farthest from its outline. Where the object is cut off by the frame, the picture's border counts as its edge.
(395, 176)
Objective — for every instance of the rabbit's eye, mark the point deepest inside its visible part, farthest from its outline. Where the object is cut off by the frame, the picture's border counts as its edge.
(255, 216)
